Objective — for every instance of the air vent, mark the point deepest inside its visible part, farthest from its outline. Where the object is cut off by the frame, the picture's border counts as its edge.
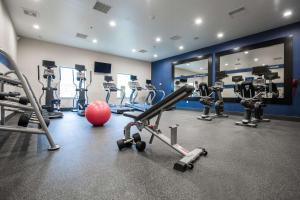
(101, 7)
(142, 51)
(31, 13)
(175, 37)
(196, 38)
(236, 11)
(278, 58)
(82, 36)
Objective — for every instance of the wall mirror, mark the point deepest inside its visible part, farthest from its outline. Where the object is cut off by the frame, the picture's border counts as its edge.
(192, 72)
(276, 55)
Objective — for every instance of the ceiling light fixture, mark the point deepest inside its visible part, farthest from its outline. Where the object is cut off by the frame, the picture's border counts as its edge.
(155, 55)
(291, 35)
(246, 52)
(158, 39)
(287, 13)
(36, 26)
(201, 68)
(200, 56)
(236, 68)
(133, 50)
(236, 48)
(198, 21)
(181, 47)
(188, 64)
(220, 35)
(255, 59)
(226, 64)
(112, 23)
(95, 41)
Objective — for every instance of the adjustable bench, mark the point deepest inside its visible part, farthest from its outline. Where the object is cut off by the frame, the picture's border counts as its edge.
(142, 121)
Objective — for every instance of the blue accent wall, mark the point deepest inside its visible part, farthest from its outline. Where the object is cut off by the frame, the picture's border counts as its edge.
(162, 69)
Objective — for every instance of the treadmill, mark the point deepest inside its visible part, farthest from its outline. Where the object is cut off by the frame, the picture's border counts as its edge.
(111, 87)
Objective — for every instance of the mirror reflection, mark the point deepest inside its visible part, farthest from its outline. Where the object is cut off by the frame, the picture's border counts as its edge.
(191, 73)
(243, 62)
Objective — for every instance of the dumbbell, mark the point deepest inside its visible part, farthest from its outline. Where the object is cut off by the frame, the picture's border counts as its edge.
(24, 119)
(139, 144)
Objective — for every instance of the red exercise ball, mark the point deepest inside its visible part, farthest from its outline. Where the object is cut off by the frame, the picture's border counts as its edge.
(98, 113)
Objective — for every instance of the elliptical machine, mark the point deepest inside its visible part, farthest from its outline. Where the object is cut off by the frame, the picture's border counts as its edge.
(206, 98)
(80, 101)
(52, 101)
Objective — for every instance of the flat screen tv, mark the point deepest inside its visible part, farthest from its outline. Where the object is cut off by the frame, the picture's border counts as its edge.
(102, 67)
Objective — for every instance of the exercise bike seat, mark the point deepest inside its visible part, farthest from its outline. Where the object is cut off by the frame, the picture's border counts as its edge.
(132, 115)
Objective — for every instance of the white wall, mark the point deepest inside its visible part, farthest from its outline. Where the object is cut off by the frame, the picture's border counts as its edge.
(31, 53)
(8, 41)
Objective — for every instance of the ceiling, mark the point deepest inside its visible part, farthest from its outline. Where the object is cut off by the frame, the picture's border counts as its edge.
(139, 22)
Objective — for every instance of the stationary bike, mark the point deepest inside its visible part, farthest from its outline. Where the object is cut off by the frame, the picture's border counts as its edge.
(252, 92)
(210, 96)
(52, 101)
(80, 101)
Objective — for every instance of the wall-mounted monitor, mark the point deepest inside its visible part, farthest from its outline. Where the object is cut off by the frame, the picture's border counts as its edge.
(102, 67)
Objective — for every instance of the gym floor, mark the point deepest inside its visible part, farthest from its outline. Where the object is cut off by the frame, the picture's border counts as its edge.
(242, 162)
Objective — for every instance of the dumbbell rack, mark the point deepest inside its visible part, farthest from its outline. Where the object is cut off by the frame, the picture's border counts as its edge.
(34, 107)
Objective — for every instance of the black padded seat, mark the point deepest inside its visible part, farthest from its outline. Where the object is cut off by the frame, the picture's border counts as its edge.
(133, 115)
(164, 104)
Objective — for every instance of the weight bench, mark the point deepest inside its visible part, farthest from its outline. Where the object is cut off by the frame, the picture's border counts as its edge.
(142, 121)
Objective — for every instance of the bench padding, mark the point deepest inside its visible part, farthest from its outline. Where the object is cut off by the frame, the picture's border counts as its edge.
(164, 104)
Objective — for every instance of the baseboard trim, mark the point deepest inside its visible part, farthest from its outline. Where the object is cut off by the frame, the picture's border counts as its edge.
(277, 117)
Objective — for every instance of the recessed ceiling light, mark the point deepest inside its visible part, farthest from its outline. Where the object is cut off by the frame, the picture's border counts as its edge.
(188, 64)
(201, 68)
(246, 52)
(175, 62)
(95, 41)
(220, 35)
(112, 23)
(263, 64)
(181, 47)
(158, 39)
(226, 64)
(200, 56)
(255, 59)
(155, 55)
(198, 21)
(36, 26)
(287, 13)
(133, 50)
(236, 48)
(291, 35)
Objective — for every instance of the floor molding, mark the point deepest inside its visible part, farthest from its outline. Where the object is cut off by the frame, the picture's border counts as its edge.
(277, 117)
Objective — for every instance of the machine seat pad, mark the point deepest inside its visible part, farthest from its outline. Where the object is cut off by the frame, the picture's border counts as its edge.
(133, 115)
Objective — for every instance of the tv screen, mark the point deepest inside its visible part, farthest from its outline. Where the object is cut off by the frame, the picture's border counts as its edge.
(102, 67)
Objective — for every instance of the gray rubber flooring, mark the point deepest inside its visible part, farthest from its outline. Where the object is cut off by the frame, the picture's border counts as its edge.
(242, 162)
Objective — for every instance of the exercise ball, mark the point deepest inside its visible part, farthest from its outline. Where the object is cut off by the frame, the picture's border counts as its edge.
(98, 113)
